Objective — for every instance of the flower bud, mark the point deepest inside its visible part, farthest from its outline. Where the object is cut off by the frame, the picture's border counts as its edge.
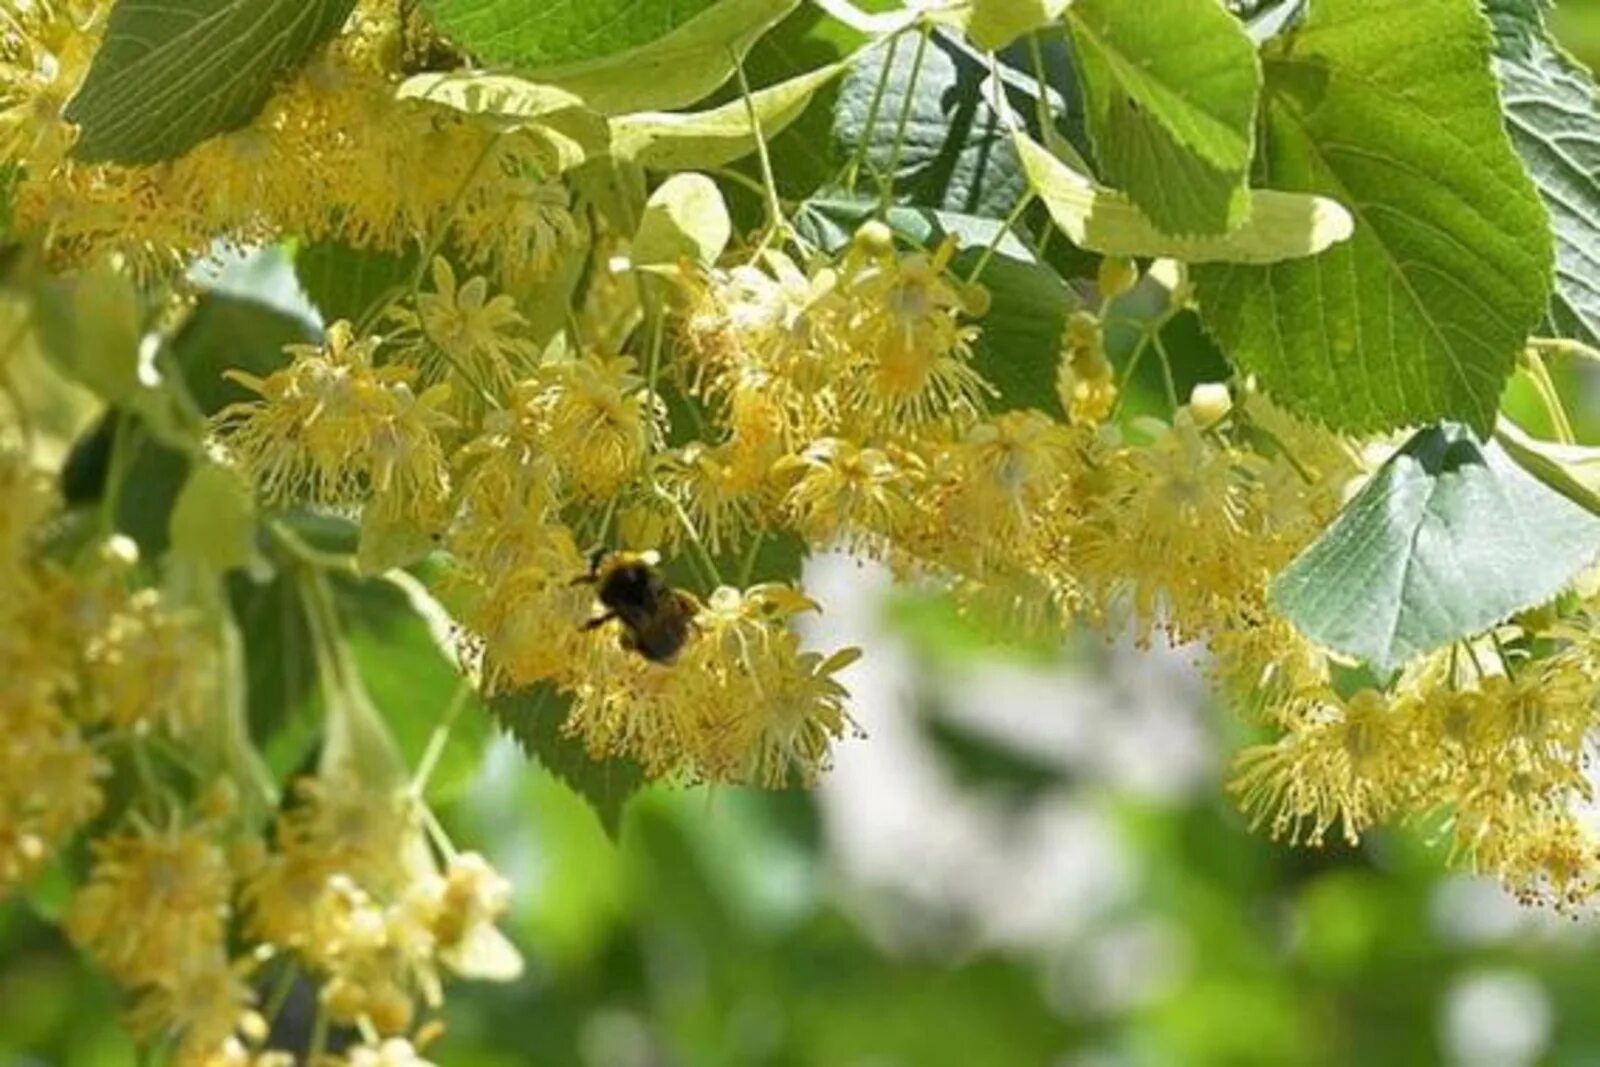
(1210, 403)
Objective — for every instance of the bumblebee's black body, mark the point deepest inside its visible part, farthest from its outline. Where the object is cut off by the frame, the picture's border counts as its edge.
(656, 618)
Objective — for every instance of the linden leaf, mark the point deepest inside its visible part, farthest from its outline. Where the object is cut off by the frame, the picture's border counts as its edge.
(344, 282)
(648, 57)
(684, 219)
(1171, 94)
(570, 130)
(502, 31)
(679, 141)
(171, 73)
(403, 645)
(89, 326)
(1280, 225)
(478, 93)
(534, 717)
(1450, 537)
(1552, 111)
(1390, 106)
(214, 519)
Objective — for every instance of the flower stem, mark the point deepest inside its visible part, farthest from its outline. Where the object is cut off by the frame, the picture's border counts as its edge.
(886, 197)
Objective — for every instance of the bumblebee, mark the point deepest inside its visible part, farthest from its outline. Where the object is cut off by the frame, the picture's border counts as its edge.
(656, 619)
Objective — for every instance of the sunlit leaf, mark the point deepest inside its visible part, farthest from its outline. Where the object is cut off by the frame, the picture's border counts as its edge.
(1391, 108)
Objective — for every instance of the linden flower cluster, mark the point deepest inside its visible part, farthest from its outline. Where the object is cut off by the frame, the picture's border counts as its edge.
(511, 485)
(99, 675)
(334, 155)
(84, 657)
(840, 401)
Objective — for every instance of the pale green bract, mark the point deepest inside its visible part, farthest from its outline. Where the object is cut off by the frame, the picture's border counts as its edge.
(1171, 98)
(1280, 225)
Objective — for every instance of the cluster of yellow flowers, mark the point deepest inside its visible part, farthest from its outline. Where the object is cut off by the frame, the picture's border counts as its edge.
(707, 415)
(358, 885)
(334, 155)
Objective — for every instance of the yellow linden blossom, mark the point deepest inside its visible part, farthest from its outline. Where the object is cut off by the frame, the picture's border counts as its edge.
(1086, 383)
(718, 497)
(333, 154)
(26, 499)
(393, 1052)
(333, 830)
(202, 1013)
(45, 49)
(529, 616)
(593, 416)
(333, 428)
(461, 335)
(742, 704)
(352, 887)
(905, 326)
(523, 230)
(1009, 470)
(845, 493)
(154, 911)
(49, 786)
(1178, 527)
(149, 663)
(1346, 764)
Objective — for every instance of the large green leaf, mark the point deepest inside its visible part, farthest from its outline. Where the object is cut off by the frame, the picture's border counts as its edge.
(1390, 107)
(534, 718)
(1280, 225)
(1019, 350)
(279, 667)
(655, 72)
(562, 31)
(955, 152)
(1450, 537)
(171, 73)
(1553, 113)
(1171, 91)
